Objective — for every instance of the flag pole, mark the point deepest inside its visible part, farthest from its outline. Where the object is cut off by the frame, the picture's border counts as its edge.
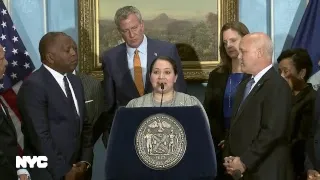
(272, 28)
(45, 18)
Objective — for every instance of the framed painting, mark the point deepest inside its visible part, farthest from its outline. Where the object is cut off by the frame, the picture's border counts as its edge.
(193, 27)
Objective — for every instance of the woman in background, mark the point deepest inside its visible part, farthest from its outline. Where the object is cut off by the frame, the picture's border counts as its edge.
(222, 86)
(295, 66)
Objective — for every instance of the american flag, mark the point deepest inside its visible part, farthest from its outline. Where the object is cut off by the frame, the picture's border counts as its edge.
(19, 67)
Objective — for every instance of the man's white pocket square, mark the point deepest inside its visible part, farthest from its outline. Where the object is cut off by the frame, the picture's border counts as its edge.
(88, 101)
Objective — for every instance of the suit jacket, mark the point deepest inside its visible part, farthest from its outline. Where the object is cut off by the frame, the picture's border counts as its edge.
(302, 113)
(259, 133)
(301, 122)
(95, 104)
(49, 124)
(213, 102)
(8, 148)
(313, 145)
(119, 84)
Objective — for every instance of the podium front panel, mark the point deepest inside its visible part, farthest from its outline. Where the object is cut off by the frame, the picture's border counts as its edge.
(123, 162)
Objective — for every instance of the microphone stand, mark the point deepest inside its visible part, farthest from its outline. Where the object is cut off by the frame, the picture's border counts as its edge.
(162, 87)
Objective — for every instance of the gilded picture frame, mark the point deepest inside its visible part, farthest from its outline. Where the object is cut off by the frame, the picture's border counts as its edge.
(89, 50)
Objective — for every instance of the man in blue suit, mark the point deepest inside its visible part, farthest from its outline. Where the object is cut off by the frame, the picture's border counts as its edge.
(126, 66)
(312, 162)
(51, 102)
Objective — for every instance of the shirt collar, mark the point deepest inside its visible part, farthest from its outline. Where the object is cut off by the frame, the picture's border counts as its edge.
(142, 48)
(54, 73)
(261, 73)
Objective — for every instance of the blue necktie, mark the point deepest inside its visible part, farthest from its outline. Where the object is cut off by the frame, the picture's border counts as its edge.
(247, 90)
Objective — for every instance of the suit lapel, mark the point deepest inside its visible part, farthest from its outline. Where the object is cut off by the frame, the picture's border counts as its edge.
(53, 83)
(239, 97)
(251, 94)
(7, 116)
(240, 107)
(77, 91)
(240, 90)
(151, 55)
(122, 63)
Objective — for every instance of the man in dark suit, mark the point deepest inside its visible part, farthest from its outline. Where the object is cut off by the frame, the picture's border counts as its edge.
(95, 106)
(126, 66)
(51, 102)
(95, 103)
(312, 162)
(257, 146)
(8, 137)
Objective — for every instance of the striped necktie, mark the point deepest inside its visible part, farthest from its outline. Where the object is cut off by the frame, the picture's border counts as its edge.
(247, 90)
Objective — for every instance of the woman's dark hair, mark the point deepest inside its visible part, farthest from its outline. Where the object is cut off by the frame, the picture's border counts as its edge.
(165, 58)
(226, 64)
(301, 60)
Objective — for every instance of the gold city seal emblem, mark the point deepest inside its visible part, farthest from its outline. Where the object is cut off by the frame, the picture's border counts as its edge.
(160, 142)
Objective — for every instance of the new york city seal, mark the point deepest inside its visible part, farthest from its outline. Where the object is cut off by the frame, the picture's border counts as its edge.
(160, 142)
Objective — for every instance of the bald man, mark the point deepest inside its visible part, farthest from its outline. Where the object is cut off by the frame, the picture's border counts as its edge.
(257, 146)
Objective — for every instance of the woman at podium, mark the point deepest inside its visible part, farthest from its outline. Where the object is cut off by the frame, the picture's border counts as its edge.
(163, 75)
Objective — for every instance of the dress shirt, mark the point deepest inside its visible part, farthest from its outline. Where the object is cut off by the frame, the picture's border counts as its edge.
(59, 78)
(143, 58)
(259, 75)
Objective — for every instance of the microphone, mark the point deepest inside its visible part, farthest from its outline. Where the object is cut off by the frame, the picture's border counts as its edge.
(162, 87)
(236, 174)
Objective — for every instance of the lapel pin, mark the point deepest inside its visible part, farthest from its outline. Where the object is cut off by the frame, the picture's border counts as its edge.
(155, 54)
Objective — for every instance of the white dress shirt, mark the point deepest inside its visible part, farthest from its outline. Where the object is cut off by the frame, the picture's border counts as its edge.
(259, 76)
(143, 58)
(59, 78)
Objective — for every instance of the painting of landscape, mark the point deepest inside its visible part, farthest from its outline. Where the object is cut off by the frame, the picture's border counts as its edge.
(191, 25)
